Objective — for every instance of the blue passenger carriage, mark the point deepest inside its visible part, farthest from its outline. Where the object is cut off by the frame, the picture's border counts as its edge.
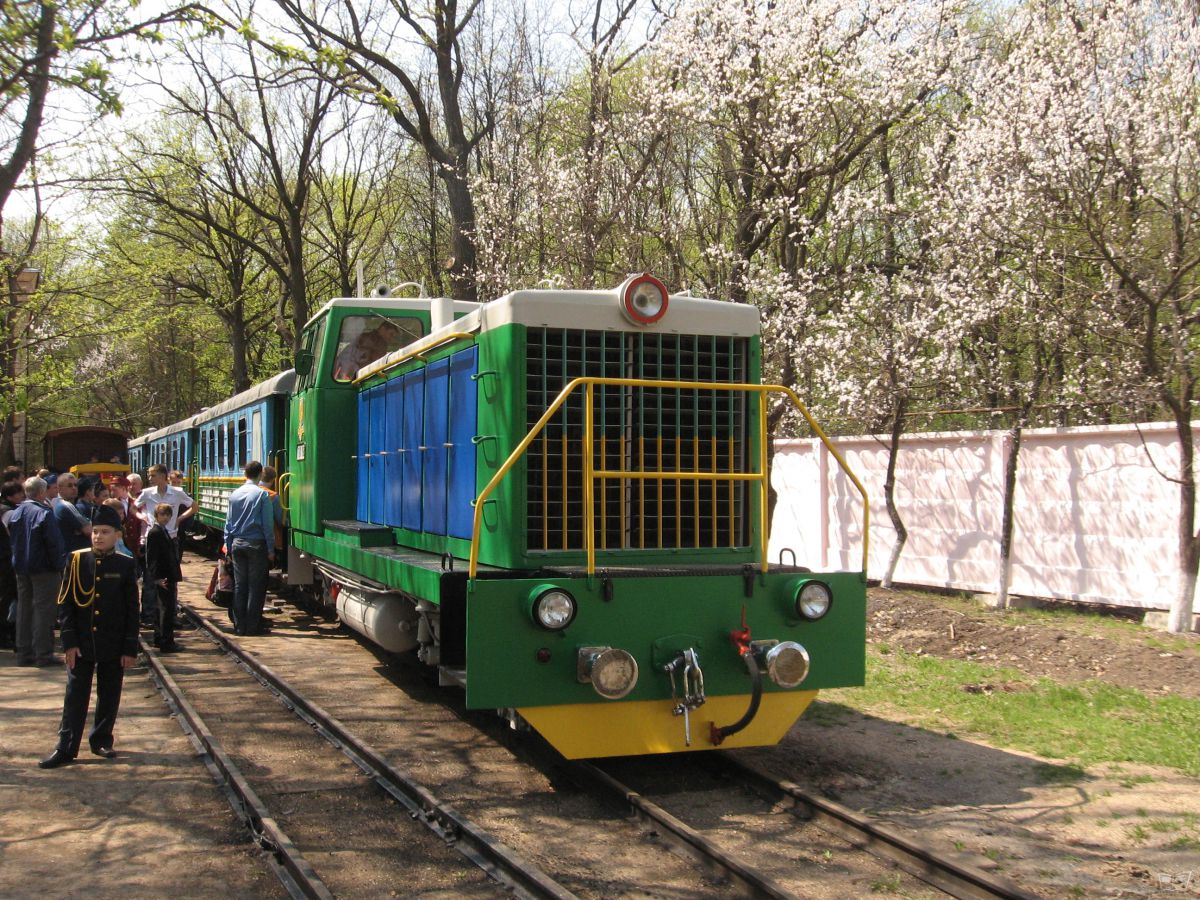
(249, 425)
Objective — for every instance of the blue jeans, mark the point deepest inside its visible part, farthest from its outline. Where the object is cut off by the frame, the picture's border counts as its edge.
(249, 560)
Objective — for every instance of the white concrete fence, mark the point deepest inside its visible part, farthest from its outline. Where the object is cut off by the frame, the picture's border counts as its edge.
(1094, 521)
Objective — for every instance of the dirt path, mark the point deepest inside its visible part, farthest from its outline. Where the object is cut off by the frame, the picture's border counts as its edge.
(149, 823)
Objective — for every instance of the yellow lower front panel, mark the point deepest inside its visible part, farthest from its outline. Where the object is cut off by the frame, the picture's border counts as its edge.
(582, 730)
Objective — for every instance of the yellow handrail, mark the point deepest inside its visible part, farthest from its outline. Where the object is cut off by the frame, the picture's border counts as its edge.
(590, 473)
(423, 347)
(284, 489)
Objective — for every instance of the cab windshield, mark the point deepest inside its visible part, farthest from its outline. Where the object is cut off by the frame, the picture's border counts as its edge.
(364, 339)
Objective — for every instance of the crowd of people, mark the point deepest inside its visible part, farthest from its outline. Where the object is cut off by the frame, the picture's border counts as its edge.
(102, 559)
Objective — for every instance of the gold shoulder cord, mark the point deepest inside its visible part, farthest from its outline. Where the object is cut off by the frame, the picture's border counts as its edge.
(73, 584)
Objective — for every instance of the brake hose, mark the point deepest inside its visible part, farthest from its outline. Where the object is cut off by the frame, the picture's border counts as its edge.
(719, 734)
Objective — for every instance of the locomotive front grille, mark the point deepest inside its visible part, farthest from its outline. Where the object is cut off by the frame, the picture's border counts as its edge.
(637, 429)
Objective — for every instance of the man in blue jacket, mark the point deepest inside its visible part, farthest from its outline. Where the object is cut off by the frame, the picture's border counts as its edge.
(250, 542)
(38, 557)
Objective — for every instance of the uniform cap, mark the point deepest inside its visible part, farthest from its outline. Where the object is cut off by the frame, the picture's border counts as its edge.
(106, 515)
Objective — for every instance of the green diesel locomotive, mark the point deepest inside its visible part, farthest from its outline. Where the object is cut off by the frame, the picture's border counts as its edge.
(558, 499)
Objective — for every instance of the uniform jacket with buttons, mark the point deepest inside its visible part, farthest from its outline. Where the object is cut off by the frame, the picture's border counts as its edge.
(98, 605)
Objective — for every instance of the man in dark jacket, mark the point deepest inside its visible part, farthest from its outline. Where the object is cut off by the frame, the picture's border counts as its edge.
(98, 617)
(37, 556)
(12, 495)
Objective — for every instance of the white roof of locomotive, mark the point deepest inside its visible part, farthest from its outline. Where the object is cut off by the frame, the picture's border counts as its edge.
(590, 310)
(601, 311)
(423, 303)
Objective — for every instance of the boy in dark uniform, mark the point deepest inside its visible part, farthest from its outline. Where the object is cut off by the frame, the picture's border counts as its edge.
(98, 618)
(162, 565)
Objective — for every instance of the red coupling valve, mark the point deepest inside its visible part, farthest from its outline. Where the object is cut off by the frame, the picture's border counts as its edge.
(741, 636)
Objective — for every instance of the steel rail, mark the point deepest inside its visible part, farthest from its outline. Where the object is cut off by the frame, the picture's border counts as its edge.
(293, 870)
(499, 861)
(681, 837)
(920, 860)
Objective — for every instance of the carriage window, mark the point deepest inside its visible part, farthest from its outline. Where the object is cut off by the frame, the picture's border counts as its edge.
(257, 440)
(364, 339)
(243, 442)
(230, 448)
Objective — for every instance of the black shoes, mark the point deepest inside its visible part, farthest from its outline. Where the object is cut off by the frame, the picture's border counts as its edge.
(170, 648)
(58, 758)
(106, 752)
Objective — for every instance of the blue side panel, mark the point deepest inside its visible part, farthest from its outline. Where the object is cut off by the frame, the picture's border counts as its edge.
(393, 438)
(413, 433)
(459, 512)
(361, 511)
(433, 483)
(378, 420)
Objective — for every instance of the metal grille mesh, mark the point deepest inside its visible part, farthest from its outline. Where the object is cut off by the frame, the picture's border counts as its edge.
(637, 429)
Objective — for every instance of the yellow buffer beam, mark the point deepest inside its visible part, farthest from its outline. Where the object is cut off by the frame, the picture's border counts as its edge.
(632, 728)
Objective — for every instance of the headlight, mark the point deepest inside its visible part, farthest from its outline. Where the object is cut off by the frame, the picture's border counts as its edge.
(787, 664)
(611, 671)
(643, 299)
(553, 608)
(813, 600)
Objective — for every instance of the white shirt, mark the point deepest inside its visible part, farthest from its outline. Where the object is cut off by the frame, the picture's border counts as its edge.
(150, 498)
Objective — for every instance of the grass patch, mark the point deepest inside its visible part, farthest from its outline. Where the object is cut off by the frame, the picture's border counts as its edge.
(1088, 723)
(1048, 773)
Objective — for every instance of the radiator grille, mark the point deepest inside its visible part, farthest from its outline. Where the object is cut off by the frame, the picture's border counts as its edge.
(637, 429)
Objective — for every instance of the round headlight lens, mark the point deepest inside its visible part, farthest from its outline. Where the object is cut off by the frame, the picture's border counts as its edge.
(813, 600)
(554, 609)
(644, 299)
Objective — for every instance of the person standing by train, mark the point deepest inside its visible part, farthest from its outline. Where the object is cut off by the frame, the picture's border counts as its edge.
(175, 477)
(37, 556)
(11, 496)
(250, 542)
(98, 618)
(76, 530)
(162, 567)
(147, 501)
(89, 496)
(131, 531)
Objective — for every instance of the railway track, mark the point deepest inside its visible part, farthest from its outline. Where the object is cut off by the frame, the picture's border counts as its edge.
(952, 876)
(726, 866)
(473, 842)
(948, 875)
(508, 869)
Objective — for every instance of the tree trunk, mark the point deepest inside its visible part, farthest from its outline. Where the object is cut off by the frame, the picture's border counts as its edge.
(889, 491)
(1006, 521)
(36, 87)
(462, 242)
(1181, 618)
